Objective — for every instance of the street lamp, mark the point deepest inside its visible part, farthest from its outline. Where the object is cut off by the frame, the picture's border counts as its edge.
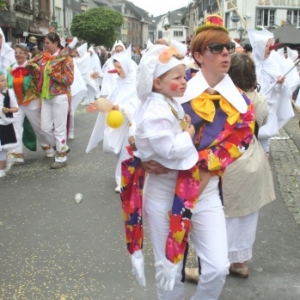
(241, 31)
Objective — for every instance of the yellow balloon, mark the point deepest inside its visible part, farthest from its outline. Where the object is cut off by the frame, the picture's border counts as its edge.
(114, 119)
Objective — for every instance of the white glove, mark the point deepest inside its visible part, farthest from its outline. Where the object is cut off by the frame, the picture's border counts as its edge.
(73, 43)
(138, 267)
(166, 274)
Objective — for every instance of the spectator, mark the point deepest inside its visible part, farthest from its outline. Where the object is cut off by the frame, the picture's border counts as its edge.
(136, 56)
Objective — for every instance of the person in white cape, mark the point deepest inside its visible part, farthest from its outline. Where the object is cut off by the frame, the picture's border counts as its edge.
(123, 98)
(269, 75)
(109, 80)
(93, 80)
(78, 90)
(7, 54)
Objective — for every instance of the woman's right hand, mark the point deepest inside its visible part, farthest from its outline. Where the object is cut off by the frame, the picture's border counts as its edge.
(190, 129)
(154, 167)
(204, 178)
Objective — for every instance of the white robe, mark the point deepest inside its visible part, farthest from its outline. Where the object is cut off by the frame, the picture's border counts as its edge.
(7, 54)
(278, 95)
(124, 95)
(78, 87)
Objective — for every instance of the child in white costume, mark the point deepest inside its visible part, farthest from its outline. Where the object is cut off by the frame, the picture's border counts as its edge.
(273, 86)
(109, 80)
(162, 134)
(123, 98)
(8, 106)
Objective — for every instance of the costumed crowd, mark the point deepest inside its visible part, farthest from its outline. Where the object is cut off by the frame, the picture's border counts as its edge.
(191, 131)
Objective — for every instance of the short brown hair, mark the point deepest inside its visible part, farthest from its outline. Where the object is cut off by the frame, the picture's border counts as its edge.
(206, 37)
(23, 48)
(242, 71)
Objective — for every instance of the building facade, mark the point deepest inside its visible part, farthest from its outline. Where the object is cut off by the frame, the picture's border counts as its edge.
(71, 9)
(134, 30)
(23, 18)
(240, 15)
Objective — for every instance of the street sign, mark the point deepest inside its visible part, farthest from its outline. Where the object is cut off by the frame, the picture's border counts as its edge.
(235, 18)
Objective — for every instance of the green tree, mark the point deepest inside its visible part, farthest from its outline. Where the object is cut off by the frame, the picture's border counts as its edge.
(97, 26)
(3, 4)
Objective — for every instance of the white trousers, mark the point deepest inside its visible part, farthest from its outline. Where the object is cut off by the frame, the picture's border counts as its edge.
(2, 155)
(90, 95)
(33, 113)
(54, 116)
(208, 237)
(265, 144)
(241, 233)
(72, 121)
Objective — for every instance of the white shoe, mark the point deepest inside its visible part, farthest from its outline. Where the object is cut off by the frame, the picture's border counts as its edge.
(18, 161)
(71, 136)
(9, 162)
(50, 152)
(118, 189)
(2, 173)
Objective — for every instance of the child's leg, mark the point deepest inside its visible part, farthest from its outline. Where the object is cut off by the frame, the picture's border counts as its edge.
(17, 152)
(2, 163)
(155, 212)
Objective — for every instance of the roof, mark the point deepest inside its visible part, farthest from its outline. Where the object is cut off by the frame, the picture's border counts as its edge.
(178, 16)
(97, 3)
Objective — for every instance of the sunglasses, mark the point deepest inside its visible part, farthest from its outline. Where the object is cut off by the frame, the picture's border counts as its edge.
(217, 48)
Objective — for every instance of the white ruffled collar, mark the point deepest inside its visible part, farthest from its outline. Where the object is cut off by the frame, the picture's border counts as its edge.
(198, 84)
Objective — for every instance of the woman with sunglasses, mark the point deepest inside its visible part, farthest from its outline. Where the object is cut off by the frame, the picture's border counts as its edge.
(54, 86)
(223, 118)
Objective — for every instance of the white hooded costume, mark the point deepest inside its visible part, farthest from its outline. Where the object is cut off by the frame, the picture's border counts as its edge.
(125, 96)
(278, 95)
(7, 54)
(292, 78)
(109, 80)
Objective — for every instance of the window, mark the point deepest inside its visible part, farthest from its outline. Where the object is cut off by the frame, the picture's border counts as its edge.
(178, 33)
(124, 25)
(228, 23)
(265, 17)
(124, 38)
(129, 25)
(293, 17)
(57, 15)
(69, 16)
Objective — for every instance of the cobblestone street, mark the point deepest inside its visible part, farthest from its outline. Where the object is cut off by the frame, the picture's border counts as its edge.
(285, 157)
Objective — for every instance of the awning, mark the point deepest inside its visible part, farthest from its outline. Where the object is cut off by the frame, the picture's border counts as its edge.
(23, 24)
(35, 34)
(7, 19)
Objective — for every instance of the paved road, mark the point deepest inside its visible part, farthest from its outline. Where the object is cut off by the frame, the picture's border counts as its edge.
(52, 248)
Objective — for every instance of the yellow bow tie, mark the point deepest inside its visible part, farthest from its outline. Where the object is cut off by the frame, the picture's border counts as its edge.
(204, 107)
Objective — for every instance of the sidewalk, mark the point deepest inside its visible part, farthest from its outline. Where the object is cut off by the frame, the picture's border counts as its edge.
(285, 158)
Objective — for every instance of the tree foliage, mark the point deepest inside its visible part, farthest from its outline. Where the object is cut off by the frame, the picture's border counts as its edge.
(3, 4)
(97, 26)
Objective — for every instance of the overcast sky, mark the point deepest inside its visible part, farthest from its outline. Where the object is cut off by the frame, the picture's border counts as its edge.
(159, 7)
